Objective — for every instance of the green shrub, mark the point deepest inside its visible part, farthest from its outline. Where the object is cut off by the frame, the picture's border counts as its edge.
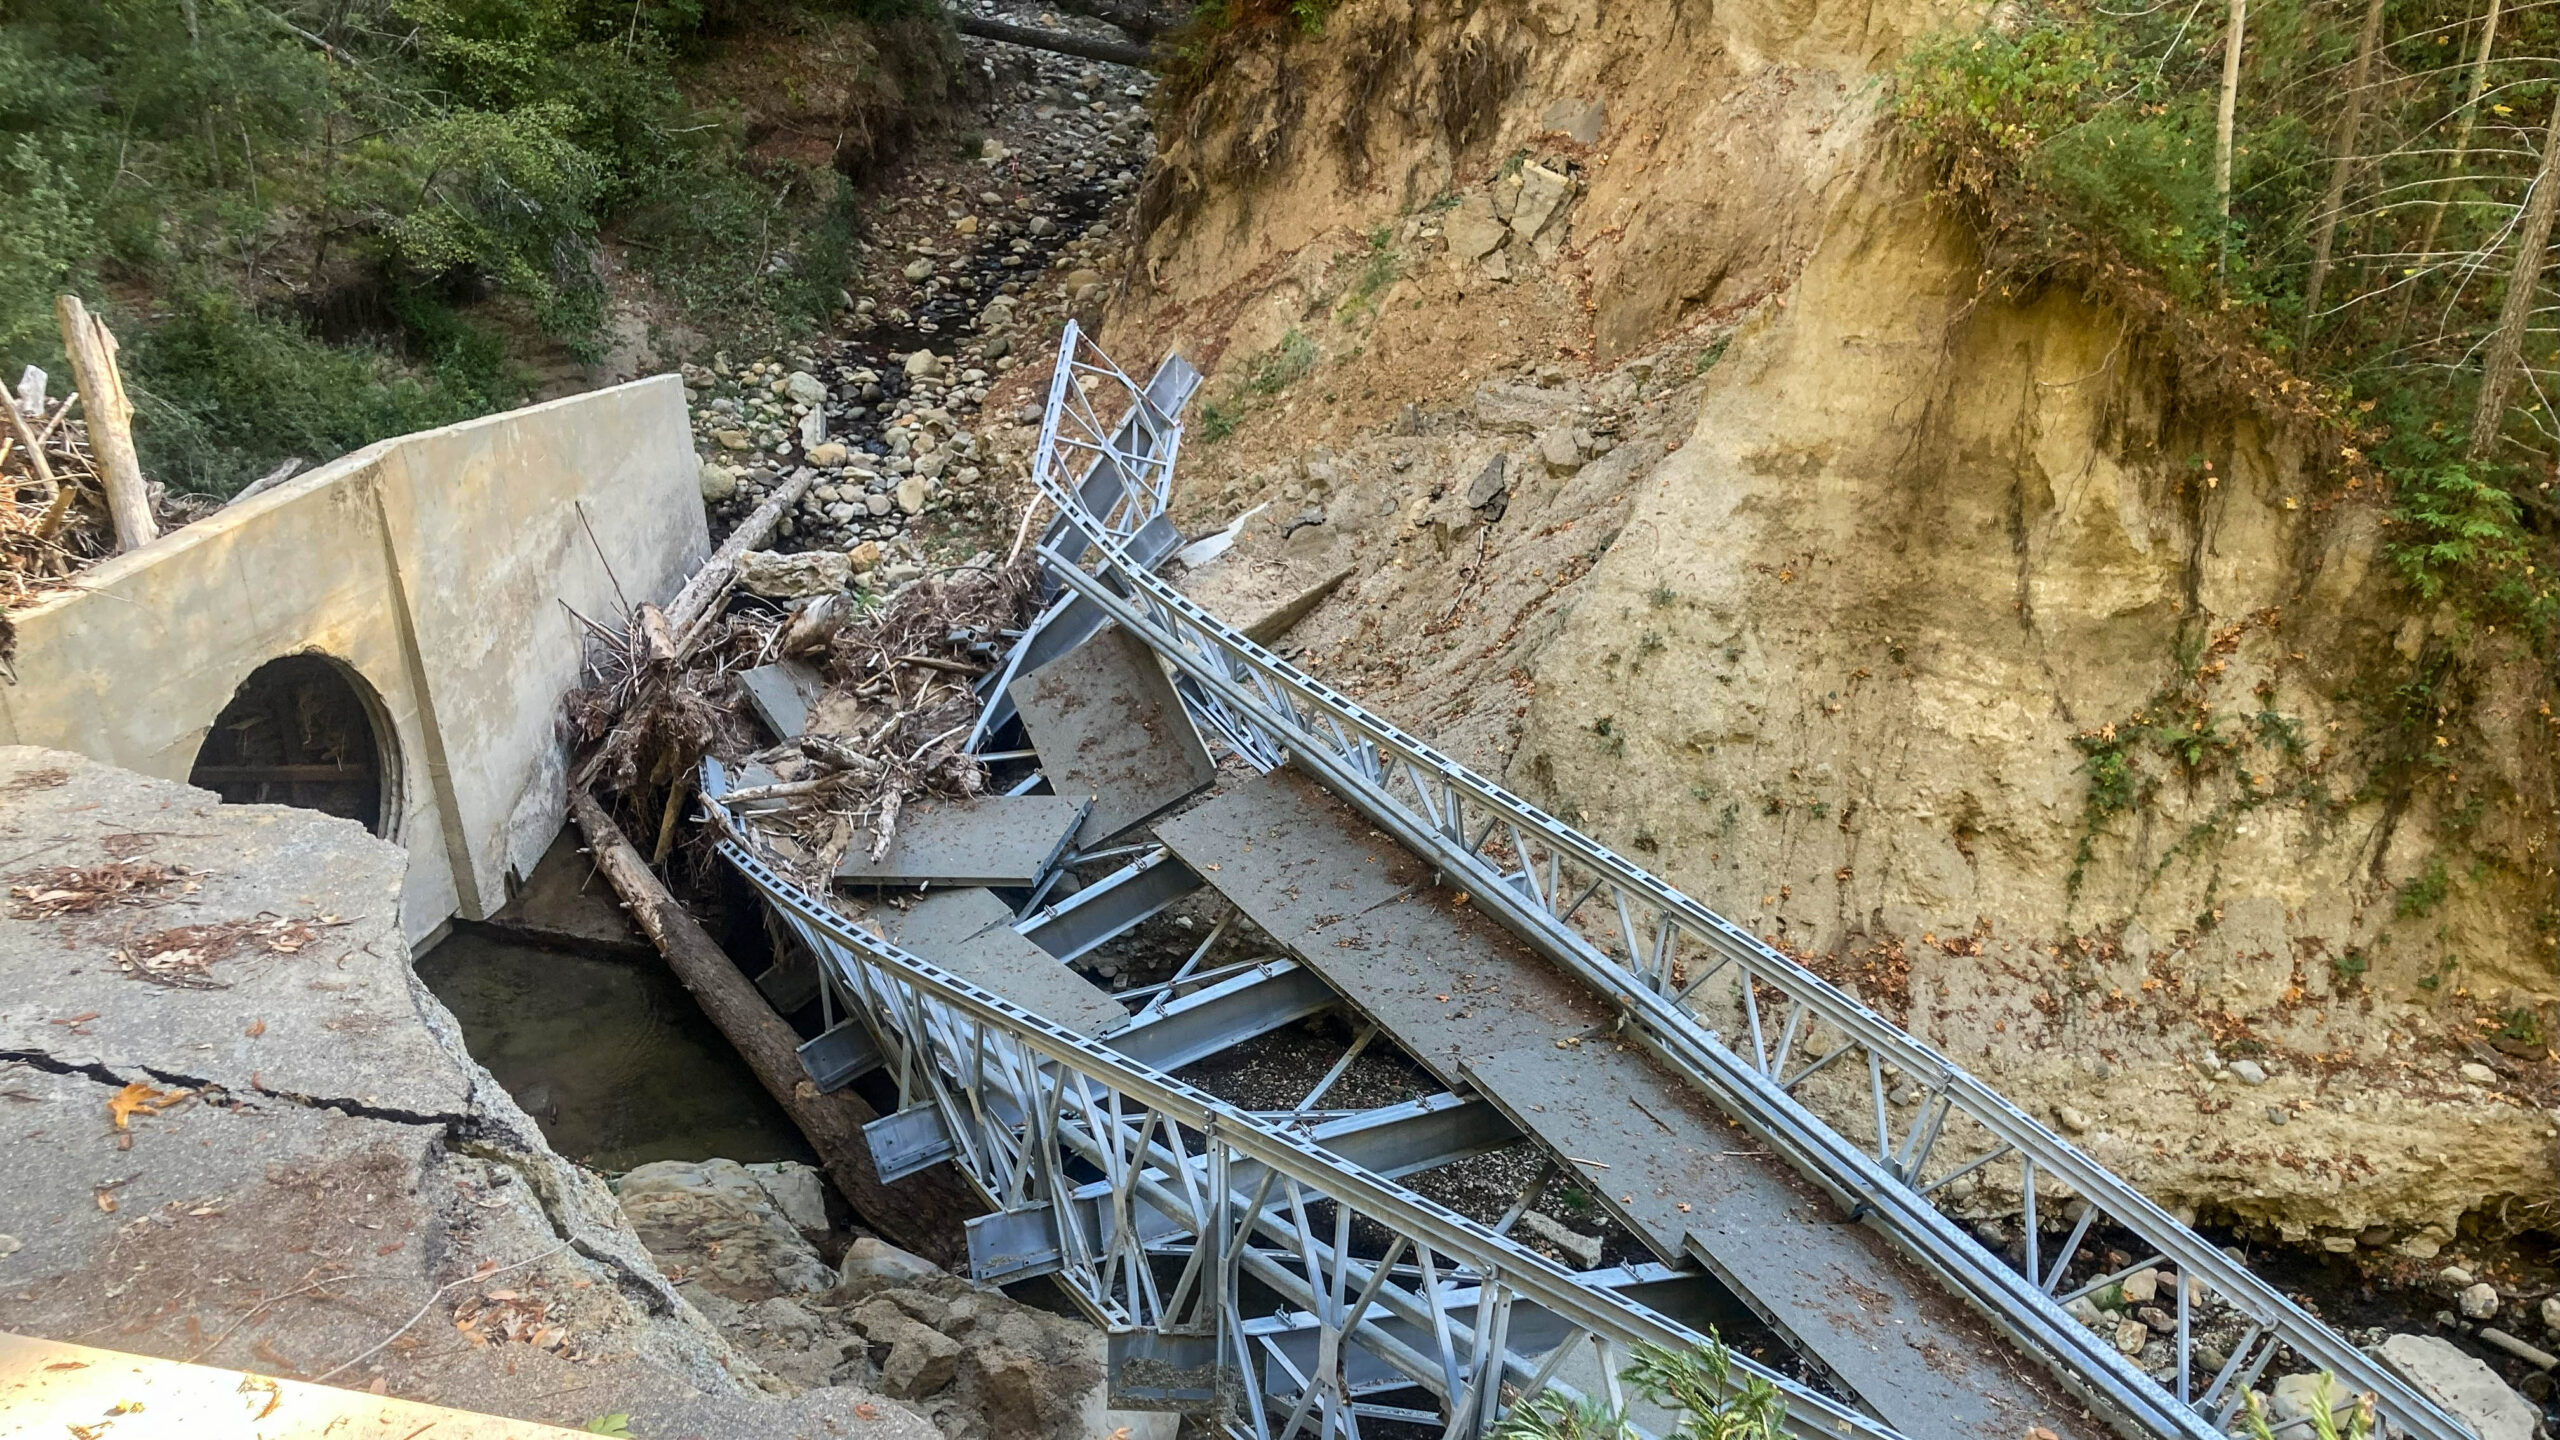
(221, 393)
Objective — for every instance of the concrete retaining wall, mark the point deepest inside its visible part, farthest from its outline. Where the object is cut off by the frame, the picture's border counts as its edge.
(436, 567)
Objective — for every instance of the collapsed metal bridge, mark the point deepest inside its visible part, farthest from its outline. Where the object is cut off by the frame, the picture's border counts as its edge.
(1778, 1148)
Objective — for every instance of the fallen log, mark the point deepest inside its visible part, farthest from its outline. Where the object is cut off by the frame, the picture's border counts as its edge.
(1110, 52)
(922, 1213)
(703, 591)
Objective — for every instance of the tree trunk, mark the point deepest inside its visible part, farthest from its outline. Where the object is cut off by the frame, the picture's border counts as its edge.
(2506, 346)
(2225, 111)
(2340, 169)
(110, 415)
(922, 1213)
(1110, 52)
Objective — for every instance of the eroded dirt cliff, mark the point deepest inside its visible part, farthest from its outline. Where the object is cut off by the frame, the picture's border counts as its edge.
(1666, 450)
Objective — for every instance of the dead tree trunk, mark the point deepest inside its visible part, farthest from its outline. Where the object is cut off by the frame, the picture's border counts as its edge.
(2227, 107)
(703, 591)
(2506, 346)
(1110, 52)
(921, 1213)
(102, 400)
(2341, 169)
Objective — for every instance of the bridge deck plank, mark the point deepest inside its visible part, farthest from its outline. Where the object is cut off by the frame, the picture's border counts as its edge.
(1478, 1007)
(1107, 725)
(970, 933)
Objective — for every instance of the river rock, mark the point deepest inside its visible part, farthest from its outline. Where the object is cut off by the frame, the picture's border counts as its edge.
(2479, 1301)
(919, 269)
(2248, 1072)
(2295, 1396)
(2551, 1313)
(804, 387)
(1583, 1250)
(777, 576)
(733, 439)
(912, 492)
(923, 365)
(718, 482)
(828, 455)
(2463, 1385)
(2141, 1287)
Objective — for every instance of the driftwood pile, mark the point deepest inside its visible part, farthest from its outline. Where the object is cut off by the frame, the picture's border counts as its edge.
(892, 724)
(55, 519)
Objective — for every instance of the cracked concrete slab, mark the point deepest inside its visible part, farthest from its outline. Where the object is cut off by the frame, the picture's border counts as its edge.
(334, 1017)
(339, 1184)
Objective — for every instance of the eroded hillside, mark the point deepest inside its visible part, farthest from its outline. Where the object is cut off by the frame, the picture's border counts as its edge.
(1668, 450)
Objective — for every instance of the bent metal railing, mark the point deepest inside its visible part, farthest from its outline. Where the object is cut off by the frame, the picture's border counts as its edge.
(1163, 1202)
(1538, 876)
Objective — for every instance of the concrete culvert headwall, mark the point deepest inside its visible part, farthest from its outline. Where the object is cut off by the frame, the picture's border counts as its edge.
(435, 575)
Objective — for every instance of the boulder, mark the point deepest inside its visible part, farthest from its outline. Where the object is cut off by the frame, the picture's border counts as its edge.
(1473, 230)
(2463, 1385)
(872, 1264)
(1559, 450)
(777, 576)
(1542, 193)
(795, 1190)
(712, 1225)
(914, 1360)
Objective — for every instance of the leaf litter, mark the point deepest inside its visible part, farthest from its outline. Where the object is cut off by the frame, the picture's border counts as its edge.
(87, 889)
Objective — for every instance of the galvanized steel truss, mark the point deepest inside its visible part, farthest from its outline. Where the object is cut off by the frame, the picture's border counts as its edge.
(1127, 1184)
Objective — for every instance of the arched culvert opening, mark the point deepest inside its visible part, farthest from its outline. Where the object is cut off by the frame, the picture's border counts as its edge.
(303, 730)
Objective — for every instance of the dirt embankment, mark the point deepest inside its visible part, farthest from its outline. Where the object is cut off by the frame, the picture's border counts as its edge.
(1677, 462)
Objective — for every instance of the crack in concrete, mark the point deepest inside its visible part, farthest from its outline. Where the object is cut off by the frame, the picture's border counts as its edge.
(102, 1073)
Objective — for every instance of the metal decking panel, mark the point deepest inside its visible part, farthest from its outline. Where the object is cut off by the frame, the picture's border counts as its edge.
(1478, 1007)
(991, 840)
(970, 933)
(1448, 984)
(1691, 1183)
(781, 694)
(1107, 724)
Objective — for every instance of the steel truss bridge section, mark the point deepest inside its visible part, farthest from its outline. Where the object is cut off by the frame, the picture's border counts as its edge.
(1653, 952)
(1167, 1212)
